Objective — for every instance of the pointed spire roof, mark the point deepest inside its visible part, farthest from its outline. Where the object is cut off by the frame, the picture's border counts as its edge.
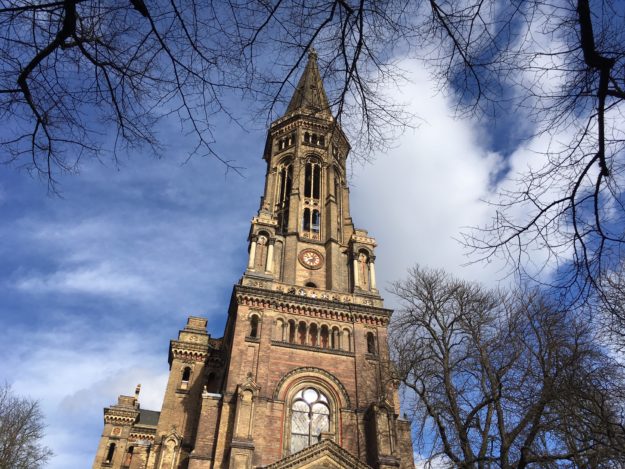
(309, 94)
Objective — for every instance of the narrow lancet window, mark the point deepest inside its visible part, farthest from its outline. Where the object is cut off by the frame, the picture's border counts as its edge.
(292, 332)
(316, 181)
(316, 221)
(110, 453)
(370, 343)
(254, 327)
(285, 182)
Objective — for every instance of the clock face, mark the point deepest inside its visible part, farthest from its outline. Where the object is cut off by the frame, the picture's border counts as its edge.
(311, 258)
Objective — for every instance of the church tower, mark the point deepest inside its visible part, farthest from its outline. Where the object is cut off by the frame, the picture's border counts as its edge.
(301, 377)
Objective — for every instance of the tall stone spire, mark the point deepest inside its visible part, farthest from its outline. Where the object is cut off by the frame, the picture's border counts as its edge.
(309, 95)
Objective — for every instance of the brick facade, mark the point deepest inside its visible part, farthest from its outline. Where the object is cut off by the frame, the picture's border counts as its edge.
(301, 373)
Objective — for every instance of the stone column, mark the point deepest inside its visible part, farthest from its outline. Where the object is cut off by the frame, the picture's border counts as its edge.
(250, 262)
(355, 270)
(372, 273)
(206, 439)
(269, 262)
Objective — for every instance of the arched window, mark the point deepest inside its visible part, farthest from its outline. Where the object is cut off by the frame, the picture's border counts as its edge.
(347, 343)
(316, 221)
(292, 332)
(370, 343)
(301, 332)
(306, 137)
(325, 337)
(186, 374)
(311, 285)
(110, 453)
(339, 200)
(128, 457)
(310, 416)
(211, 383)
(285, 182)
(335, 338)
(306, 220)
(254, 326)
(312, 335)
(278, 333)
(311, 221)
(312, 180)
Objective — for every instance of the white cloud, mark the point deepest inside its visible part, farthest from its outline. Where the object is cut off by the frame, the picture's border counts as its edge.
(74, 374)
(420, 197)
(102, 279)
(416, 199)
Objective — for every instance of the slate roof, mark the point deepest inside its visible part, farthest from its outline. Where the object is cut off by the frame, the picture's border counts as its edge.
(148, 417)
(309, 93)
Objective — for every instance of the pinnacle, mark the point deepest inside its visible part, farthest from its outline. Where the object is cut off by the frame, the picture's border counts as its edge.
(309, 94)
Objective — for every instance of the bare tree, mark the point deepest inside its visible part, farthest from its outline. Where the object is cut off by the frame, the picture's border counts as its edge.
(80, 78)
(505, 380)
(611, 307)
(21, 431)
(561, 67)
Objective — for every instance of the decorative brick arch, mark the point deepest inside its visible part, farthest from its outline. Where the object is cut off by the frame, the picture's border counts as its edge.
(313, 375)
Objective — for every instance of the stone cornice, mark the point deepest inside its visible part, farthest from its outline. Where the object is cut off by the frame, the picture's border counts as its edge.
(188, 351)
(357, 238)
(143, 433)
(312, 307)
(120, 416)
(312, 348)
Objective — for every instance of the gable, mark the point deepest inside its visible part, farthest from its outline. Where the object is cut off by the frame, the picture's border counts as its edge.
(324, 455)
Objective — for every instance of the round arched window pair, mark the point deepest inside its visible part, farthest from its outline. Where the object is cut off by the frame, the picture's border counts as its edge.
(310, 417)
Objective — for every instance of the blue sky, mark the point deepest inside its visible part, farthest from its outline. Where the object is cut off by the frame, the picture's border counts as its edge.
(94, 284)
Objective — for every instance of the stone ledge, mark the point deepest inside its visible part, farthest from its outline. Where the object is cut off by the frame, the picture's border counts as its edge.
(279, 343)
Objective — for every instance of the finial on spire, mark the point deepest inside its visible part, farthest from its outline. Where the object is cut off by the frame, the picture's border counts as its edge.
(312, 53)
(137, 391)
